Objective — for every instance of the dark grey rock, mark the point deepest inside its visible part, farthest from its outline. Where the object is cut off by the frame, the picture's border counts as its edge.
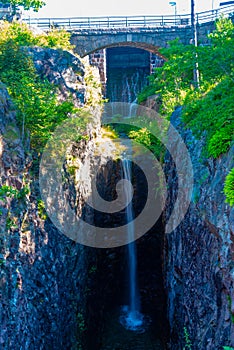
(64, 70)
(43, 274)
(199, 253)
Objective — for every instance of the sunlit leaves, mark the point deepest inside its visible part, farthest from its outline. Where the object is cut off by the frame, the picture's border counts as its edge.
(229, 188)
(209, 110)
(38, 110)
(26, 4)
(21, 34)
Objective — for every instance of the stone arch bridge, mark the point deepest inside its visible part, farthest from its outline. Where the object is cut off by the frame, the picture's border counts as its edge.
(90, 40)
(94, 42)
(90, 34)
(93, 35)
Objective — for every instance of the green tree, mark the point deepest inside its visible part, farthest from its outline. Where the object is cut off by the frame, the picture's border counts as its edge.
(38, 109)
(26, 4)
(208, 111)
(22, 35)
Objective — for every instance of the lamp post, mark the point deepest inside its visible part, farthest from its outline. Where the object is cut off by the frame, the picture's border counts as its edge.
(173, 3)
(196, 77)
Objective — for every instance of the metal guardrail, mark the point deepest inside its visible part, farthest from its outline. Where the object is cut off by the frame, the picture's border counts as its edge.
(79, 23)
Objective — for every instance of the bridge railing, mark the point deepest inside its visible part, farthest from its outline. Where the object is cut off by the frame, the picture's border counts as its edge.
(77, 23)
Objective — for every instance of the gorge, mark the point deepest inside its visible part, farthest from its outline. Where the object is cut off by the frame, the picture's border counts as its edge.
(59, 294)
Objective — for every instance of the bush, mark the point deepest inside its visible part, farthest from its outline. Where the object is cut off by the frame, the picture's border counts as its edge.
(212, 113)
(22, 35)
(229, 188)
(38, 109)
(208, 110)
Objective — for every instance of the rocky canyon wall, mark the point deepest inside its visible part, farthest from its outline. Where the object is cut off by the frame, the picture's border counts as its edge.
(199, 253)
(44, 277)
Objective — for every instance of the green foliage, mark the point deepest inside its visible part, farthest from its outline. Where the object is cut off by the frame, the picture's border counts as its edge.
(209, 110)
(10, 223)
(7, 192)
(229, 188)
(149, 90)
(93, 91)
(11, 192)
(41, 209)
(213, 113)
(142, 136)
(108, 132)
(174, 79)
(2, 262)
(26, 4)
(81, 329)
(188, 344)
(35, 100)
(17, 32)
(81, 322)
(92, 269)
(38, 109)
(56, 38)
(148, 132)
(21, 35)
(228, 348)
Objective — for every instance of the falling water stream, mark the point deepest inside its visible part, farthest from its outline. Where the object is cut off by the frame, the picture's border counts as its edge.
(131, 318)
(134, 329)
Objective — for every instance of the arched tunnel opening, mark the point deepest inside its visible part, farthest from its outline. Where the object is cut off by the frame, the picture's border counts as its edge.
(124, 69)
(127, 72)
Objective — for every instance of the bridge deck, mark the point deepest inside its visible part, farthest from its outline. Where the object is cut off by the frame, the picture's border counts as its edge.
(79, 23)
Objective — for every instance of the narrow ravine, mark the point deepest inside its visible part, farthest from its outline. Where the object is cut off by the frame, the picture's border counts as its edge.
(132, 322)
(134, 313)
(131, 317)
(72, 287)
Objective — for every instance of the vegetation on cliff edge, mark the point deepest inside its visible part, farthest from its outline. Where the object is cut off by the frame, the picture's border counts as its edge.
(38, 109)
(209, 110)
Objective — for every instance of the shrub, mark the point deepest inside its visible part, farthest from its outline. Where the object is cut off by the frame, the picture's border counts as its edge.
(209, 110)
(22, 35)
(38, 109)
(229, 188)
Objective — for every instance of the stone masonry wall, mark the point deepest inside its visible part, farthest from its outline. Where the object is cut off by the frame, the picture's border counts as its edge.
(155, 61)
(98, 59)
(149, 38)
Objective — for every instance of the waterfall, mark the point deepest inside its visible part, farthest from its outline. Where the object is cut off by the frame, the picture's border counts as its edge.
(134, 302)
(131, 317)
(133, 109)
(123, 85)
(127, 71)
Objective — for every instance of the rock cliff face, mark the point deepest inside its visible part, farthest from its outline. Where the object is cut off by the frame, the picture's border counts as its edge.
(199, 254)
(53, 291)
(62, 69)
(44, 278)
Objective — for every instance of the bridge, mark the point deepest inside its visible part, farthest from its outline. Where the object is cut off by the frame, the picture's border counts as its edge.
(91, 36)
(79, 23)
